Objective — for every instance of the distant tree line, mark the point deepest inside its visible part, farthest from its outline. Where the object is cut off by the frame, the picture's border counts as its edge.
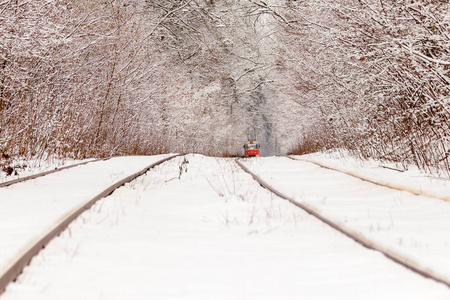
(374, 75)
(99, 78)
(74, 79)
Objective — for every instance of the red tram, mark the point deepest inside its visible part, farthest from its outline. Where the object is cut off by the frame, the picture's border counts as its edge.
(251, 149)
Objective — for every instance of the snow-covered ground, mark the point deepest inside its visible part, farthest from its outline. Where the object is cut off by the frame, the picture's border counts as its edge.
(199, 228)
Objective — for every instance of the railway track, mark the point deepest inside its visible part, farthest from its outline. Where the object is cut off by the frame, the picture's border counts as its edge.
(34, 176)
(410, 189)
(347, 231)
(214, 220)
(16, 266)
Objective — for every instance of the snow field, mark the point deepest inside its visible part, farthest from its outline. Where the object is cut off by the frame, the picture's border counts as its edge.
(200, 228)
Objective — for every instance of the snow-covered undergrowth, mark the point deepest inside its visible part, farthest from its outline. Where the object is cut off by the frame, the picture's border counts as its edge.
(199, 228)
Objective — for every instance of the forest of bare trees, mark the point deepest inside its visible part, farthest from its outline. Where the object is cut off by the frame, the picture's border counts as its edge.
(376, 73)
(93, 78)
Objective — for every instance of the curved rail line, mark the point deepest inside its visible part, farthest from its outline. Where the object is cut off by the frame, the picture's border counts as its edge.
(11, 182)
(392, 255)
(409, 189)
(14, 270)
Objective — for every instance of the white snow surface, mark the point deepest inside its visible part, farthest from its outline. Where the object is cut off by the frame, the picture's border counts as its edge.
(198, 227)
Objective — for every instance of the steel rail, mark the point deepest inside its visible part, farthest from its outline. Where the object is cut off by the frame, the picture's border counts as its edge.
(392, 255)
(18, 180)
(16, 267)
(412, 190)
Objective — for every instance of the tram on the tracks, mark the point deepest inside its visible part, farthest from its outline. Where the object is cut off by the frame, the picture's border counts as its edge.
(251, 149)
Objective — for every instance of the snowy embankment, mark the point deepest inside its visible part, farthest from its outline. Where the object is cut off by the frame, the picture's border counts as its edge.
(197, 227)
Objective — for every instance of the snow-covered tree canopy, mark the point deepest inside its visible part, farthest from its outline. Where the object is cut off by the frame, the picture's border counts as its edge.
(99, 78)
